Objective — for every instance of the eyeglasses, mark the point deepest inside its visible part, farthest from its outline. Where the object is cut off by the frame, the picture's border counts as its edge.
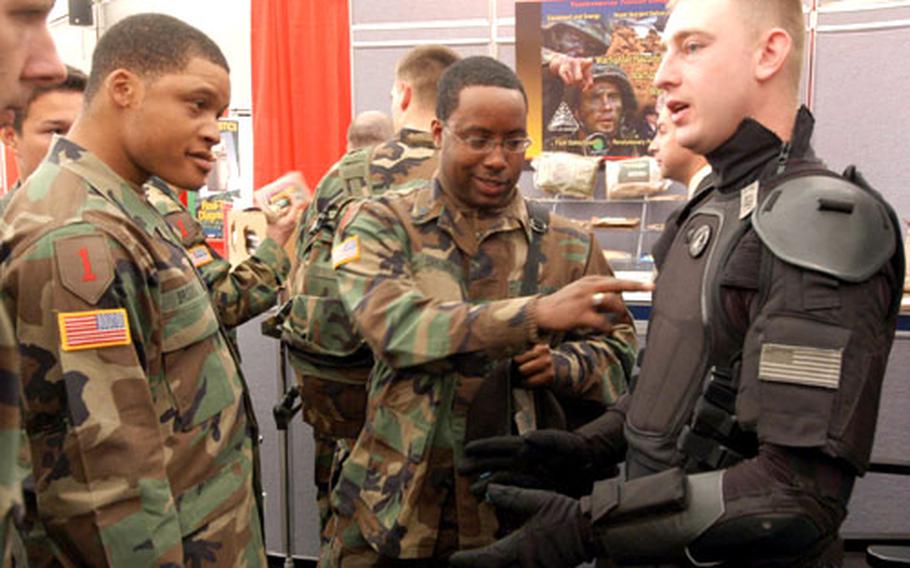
(485, 145)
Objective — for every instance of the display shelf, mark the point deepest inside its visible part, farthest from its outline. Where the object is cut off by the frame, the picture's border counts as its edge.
(634, 242)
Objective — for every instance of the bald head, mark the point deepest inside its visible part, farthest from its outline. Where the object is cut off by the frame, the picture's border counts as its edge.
(369, 128)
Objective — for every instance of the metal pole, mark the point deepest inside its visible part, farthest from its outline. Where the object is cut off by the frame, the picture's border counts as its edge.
(287, 478)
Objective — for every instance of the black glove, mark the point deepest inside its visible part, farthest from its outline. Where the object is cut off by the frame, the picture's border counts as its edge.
(556, 533)
(545, 459)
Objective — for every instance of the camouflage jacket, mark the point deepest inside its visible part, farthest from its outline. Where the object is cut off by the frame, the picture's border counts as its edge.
(323, 344)
(5, 199)
(240, 293)
(138, 417)
(10, 482)
(435, 293)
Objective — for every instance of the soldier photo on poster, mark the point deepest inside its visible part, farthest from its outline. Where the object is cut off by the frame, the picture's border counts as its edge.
(616, 46)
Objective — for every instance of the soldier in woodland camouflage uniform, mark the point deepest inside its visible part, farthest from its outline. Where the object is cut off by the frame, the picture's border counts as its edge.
(28, 60)
(252, 286)
(139, 420)
(330, 360)
(432, 280)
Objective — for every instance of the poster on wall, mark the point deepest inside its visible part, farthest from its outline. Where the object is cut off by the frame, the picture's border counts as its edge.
(614, 117)
(229, 184)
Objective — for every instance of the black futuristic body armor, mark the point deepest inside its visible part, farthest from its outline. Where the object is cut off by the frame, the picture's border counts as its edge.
(773, 317)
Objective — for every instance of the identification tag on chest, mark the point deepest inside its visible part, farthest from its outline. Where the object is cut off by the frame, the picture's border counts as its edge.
(748, 199)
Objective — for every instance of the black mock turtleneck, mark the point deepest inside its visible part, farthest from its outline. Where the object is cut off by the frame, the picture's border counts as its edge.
(753, 152)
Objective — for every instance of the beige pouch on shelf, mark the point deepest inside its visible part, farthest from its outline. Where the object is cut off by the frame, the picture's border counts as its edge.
(561, 173)
(633, 178)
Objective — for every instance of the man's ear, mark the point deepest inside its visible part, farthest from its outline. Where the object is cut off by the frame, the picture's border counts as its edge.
(406, 93)
(773, 52)
(123, 87)
(436, 129)
(8, 135)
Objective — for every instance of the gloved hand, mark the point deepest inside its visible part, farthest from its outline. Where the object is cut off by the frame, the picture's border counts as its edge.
(557, 534)
(545, 459)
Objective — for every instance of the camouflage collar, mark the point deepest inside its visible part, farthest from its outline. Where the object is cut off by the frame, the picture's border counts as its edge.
(160, 196)
(110, 186)
(416, 138)
(432, 203)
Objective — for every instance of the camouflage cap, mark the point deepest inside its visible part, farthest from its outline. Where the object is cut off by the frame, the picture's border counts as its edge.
(595, 33)
(611, 72)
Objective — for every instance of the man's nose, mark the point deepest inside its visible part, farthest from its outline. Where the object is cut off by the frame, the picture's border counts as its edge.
(211, 133)
(496, 158)
(42, 65)
(666, 72)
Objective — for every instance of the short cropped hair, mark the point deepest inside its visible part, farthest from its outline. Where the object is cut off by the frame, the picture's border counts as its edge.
(74, 83)
(368, 129)
(785, 14)
(422, 67)
(150, 45)
(477, 71)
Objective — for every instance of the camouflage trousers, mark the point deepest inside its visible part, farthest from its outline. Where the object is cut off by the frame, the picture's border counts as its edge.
(349, 549)
(328, 455)
(232, 539)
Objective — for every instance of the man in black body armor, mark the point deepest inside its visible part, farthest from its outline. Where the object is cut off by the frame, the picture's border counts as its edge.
(774, 313)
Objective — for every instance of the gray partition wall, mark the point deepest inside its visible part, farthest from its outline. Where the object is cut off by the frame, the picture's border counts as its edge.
(859, 90)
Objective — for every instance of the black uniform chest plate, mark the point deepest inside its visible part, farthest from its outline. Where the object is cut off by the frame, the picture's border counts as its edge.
(685, 334)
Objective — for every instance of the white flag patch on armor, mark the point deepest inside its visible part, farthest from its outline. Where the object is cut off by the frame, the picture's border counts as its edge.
(800, 365)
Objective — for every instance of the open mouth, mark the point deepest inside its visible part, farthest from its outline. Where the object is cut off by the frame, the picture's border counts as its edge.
(677, 110)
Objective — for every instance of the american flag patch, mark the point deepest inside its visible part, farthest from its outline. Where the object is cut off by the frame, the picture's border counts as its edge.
(200, 255)
(800, 365)
(93, 329)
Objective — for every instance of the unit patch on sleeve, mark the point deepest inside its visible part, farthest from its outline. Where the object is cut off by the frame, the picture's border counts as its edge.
(200, 255)
(808, 366)
(347, 251)
(84, 265)
(92, 329)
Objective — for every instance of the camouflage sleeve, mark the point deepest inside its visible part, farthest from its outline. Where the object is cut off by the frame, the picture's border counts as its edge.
(10, 488)
(384, 293)
(251, 287)
(93, 426)
(596, 368)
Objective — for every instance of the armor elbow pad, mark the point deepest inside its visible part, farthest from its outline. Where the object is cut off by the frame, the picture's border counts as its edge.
(765, 538)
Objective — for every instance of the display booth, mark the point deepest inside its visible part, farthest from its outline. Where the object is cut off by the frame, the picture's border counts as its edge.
(300, 70)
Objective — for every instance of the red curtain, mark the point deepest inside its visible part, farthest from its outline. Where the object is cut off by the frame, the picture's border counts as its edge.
(9, 165)
(301, 86)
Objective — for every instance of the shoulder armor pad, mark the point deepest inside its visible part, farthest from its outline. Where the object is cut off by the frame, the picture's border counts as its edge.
(827, 224)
